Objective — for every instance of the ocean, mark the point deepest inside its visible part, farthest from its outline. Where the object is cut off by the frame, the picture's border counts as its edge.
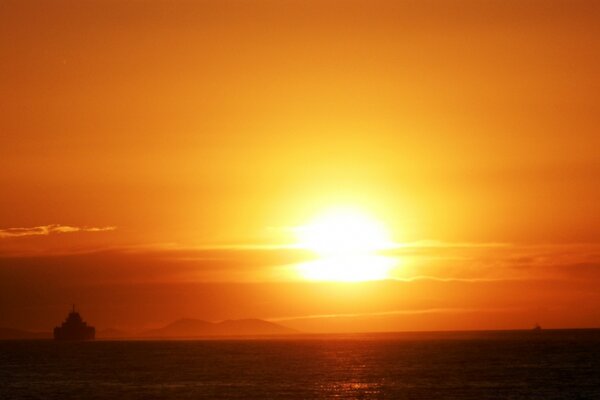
(551, 364)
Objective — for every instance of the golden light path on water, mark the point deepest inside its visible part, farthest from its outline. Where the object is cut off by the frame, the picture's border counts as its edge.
(347, 242)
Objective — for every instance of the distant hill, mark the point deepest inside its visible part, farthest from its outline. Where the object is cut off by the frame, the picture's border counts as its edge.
(112, 334)
(183, 328)
(18, 334)
(188, 328)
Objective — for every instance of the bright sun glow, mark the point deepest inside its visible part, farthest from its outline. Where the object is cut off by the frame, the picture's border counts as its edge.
(347, 242)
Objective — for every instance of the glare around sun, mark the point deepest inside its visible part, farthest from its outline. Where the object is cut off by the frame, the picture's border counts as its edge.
(343, 232)
(347, 242)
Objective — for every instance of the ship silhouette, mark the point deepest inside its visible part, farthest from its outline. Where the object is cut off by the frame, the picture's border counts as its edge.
(74, 328)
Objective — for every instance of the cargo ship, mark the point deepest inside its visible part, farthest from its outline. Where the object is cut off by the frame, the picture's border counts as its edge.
(74, 328)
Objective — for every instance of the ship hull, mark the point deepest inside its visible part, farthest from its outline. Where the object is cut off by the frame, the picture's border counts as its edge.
(85, 333)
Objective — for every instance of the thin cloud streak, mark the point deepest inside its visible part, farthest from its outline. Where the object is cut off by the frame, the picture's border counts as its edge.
(45, 230)
(399, 312)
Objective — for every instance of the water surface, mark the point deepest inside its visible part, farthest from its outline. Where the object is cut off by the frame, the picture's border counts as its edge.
(487, 365)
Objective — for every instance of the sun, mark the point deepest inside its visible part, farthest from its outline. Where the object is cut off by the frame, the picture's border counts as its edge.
(342, 232)
(347, 242)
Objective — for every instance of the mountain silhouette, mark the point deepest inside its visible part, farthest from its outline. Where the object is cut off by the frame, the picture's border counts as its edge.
(111, 333)
(19, 334)
(182, 328)
(188, 328)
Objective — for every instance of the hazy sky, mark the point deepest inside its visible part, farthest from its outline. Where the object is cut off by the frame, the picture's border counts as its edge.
(155, 154)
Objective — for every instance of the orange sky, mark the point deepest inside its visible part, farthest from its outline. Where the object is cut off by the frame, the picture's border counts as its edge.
(164, 150)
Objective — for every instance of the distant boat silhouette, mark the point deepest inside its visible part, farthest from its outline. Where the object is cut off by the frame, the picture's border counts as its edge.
(74, 328)
(537, 327)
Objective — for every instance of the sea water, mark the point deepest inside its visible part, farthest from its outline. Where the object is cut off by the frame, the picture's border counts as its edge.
(562, 364)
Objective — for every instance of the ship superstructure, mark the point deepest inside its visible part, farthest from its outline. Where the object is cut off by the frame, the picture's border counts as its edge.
(74, 328)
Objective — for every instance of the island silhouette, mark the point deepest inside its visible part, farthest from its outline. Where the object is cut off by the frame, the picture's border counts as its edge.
(190, 328)
(74, 328)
